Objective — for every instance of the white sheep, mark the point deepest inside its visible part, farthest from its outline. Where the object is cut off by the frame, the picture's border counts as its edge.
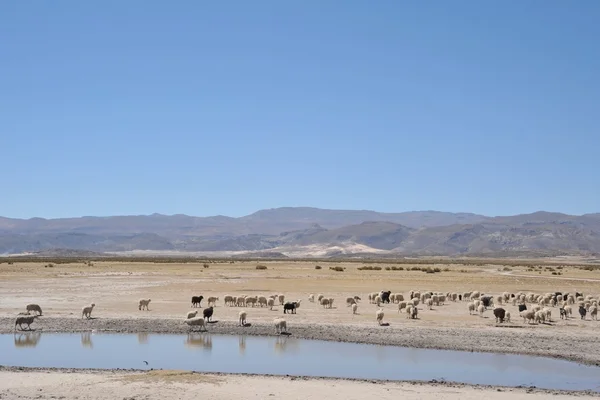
(212, 300)
(593, 312)
(270, 304)
(528, 315)
(262, 301)
(192, 314)
(377, 300)
(330, 302)
(280, 325)
(228, 300)
(480, 310)
(87, 311)
(354, 308)
(242, 318)
(311, 298)
(281, 299)
(507, 317)
(429, 303)
(319, 297)
(402, 305)
(471, 308)
(379, 315)
(34, 308)
(197, 321)
(144, 303)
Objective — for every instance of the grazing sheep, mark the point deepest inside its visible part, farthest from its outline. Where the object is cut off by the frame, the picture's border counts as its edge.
(242, 316)
(251, 301)
(547, 314)
(29, 319)
(241, 301)
(377, 300)
(280, 325)
(311, 298)
(144, 303)
(34, 308)
(352, 300)
(197, 301)
(198, 321)
(409, 310)
(415, 301)
(87, 311)
(228, 300)
(582, 312)
(354, 308)
(379, 316)
(325, 302)
(319, 297)
(540, 317)
(281, 299)
(413, 312)
(471, 308)
(402, 305)
(385, 296)
(192, 314)
(262, 301)
(399, 297)
(212, 300)
(208, 313)
(429, 303)
(331, 302)
(291, 306)
(500, 314)
(593, 313)
(481, 309)
(270, 304)
(568, 310)
(527, 315)
(507, 317)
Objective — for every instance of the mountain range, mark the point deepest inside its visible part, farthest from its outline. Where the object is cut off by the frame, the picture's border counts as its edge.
(305, 231)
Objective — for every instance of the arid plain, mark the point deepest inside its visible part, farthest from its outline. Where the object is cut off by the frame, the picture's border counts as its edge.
(62, 289)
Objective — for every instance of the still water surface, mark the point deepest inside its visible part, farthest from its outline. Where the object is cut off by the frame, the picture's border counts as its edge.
(285, 355)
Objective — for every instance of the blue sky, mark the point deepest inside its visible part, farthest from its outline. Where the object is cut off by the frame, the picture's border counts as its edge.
(205, 108)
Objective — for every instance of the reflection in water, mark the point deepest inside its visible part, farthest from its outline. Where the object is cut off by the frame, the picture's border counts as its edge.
(199, 340)
(86, 340)
(29, 339)
(142, 338)
(285, 344)
(242, 344)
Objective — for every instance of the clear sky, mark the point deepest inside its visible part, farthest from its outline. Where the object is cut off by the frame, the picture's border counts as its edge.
(204, 108)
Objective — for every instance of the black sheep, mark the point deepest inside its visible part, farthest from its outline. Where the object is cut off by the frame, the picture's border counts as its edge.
(563, 313)
(290, 306)
(460, 297)
(197, 301)
(486, 301)
(499, 313)
(208, 313)
(582, 312)
(522, 307)
(385, 296)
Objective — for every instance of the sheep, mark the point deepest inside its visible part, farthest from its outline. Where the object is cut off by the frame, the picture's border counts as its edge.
(507, 317)
(319, 297)
(402, 305)
(354, 308)
(547, 314)
(594, 312)
(540, 317)
(527, 315)
(29, 319)
(377, 300)
(242, 318)
(415, 301)
(280, 325)
(500, 314)
(429, 303)
(197, 321)
(262, 301)
(241, 301)
(409, 310)
(197, 301)
(311, 298)
(325, 302)
(228, 300)
(352, 300)
(212, 300)
(291, 306)
(481, 309)
(379, 316)
(34, 308)
(87, 311)
(385, 296)
(281, 299)
(582, 312)
(568, 310)
(251, 301)
(208, 313)
(331, 302)
(144, 303)
(471, 308)
(413, 312)
(399, 297)
(270, 304)
(192, 314)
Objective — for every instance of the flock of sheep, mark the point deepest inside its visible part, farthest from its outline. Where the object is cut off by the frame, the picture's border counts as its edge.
(540, 309)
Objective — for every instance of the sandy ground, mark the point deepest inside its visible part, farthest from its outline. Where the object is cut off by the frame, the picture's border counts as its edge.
(171, 385)
(115, 287)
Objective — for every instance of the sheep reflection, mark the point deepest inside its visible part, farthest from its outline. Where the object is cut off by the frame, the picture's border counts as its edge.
(86, 340)
(242, 344)
(29, 339)
(285, 344)
(199, 340)
(142, 338)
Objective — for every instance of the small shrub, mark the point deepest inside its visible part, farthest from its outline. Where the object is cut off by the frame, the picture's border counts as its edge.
(394, 268)
(205, 265)
(436, 269)
(555, 273)
(261, 267)
(338, 269)
(369, 268)
(415, 269)
(10, 263)
(50, 265)
(428, 270)
(387, 268)
(506, 269)
(317, 267)
(446, 269)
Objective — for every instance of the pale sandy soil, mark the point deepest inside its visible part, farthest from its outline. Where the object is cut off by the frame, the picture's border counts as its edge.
(172, 385)
(116, 287)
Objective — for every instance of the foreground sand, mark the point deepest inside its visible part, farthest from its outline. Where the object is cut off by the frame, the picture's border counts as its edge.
(171, 385)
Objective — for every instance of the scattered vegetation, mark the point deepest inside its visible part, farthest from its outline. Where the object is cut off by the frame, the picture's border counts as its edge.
(369, 268)
(317, 267)
(338, 269)
(259, 266)
(49, 265)
(205, 265)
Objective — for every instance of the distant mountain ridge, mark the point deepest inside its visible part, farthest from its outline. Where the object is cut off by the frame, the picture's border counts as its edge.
(308, 231)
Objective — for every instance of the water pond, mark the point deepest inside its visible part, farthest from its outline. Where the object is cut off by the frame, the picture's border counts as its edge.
(285, 355)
